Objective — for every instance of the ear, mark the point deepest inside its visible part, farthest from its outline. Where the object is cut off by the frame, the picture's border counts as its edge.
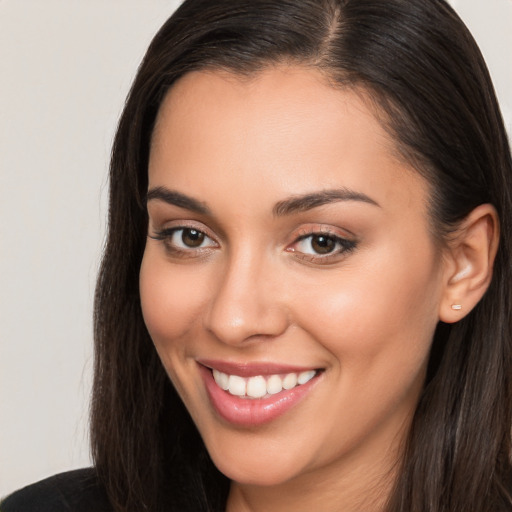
(469, 261)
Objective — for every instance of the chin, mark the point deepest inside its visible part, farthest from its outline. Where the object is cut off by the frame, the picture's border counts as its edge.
(265, 470)
(256, 476)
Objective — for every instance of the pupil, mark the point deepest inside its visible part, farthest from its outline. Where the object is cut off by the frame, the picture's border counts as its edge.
(323, 244)
(192, 237)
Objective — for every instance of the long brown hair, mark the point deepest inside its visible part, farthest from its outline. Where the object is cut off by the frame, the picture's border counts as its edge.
(423, 69)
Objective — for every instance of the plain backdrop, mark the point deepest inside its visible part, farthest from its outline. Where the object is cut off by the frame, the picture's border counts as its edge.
(65, 69)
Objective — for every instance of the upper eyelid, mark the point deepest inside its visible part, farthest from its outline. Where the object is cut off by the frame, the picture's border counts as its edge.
(160, 218)
(324, 233)
(184, 224)
(335, 232)
(171, 231)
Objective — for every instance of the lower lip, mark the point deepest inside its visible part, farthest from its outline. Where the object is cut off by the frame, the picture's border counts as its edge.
(252, 412)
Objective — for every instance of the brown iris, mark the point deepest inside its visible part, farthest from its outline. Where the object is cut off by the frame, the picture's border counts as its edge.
(192, 237)
(322, 244)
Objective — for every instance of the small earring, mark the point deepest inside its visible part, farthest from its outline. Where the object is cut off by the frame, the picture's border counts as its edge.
(457, 307)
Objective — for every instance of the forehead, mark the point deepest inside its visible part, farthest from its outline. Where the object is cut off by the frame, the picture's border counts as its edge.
(280, 92)
(284, 130)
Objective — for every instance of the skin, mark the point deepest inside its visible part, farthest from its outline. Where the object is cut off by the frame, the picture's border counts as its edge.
(254, 291)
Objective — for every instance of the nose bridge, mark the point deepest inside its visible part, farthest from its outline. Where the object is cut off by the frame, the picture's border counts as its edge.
(246, 301)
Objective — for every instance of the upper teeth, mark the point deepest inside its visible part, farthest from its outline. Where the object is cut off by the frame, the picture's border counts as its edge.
(259, 386)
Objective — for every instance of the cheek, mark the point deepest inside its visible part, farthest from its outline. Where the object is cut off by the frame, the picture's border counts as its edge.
(171, 299)
(384, 308)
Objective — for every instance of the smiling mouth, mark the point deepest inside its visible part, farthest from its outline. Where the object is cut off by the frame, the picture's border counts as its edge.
(261, 386)
(249, 395)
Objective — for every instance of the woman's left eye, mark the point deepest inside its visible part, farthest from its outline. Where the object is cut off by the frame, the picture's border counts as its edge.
(322, 245)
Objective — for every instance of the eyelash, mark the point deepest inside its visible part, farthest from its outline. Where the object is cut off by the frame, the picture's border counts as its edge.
(166, 237)
(342, 246)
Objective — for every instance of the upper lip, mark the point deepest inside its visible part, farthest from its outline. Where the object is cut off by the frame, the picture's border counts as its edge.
(252, 369)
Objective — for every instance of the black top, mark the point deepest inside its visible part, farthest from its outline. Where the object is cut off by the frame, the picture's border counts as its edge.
(74, 491)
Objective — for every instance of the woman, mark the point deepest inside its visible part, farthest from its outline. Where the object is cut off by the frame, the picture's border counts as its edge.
(282, 169)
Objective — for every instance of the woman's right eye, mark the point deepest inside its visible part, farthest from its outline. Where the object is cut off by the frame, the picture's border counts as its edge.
(184, 239)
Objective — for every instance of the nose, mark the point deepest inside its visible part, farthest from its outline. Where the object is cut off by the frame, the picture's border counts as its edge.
(247, 302)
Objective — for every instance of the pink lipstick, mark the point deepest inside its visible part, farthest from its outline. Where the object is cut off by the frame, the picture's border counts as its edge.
(250, 395)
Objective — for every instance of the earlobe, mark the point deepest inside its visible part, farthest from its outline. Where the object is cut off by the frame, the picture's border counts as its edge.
(469, 262)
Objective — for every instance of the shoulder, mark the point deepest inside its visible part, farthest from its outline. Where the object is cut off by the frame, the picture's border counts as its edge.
(73, 491)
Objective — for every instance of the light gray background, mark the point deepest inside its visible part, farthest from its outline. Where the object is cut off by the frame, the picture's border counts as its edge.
(65, 68)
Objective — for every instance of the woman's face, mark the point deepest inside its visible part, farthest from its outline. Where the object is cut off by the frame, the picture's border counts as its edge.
(288, 253)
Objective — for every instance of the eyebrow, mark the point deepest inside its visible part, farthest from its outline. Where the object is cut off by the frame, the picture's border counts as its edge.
(294, 204)
(177, 199)
(302, 203)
